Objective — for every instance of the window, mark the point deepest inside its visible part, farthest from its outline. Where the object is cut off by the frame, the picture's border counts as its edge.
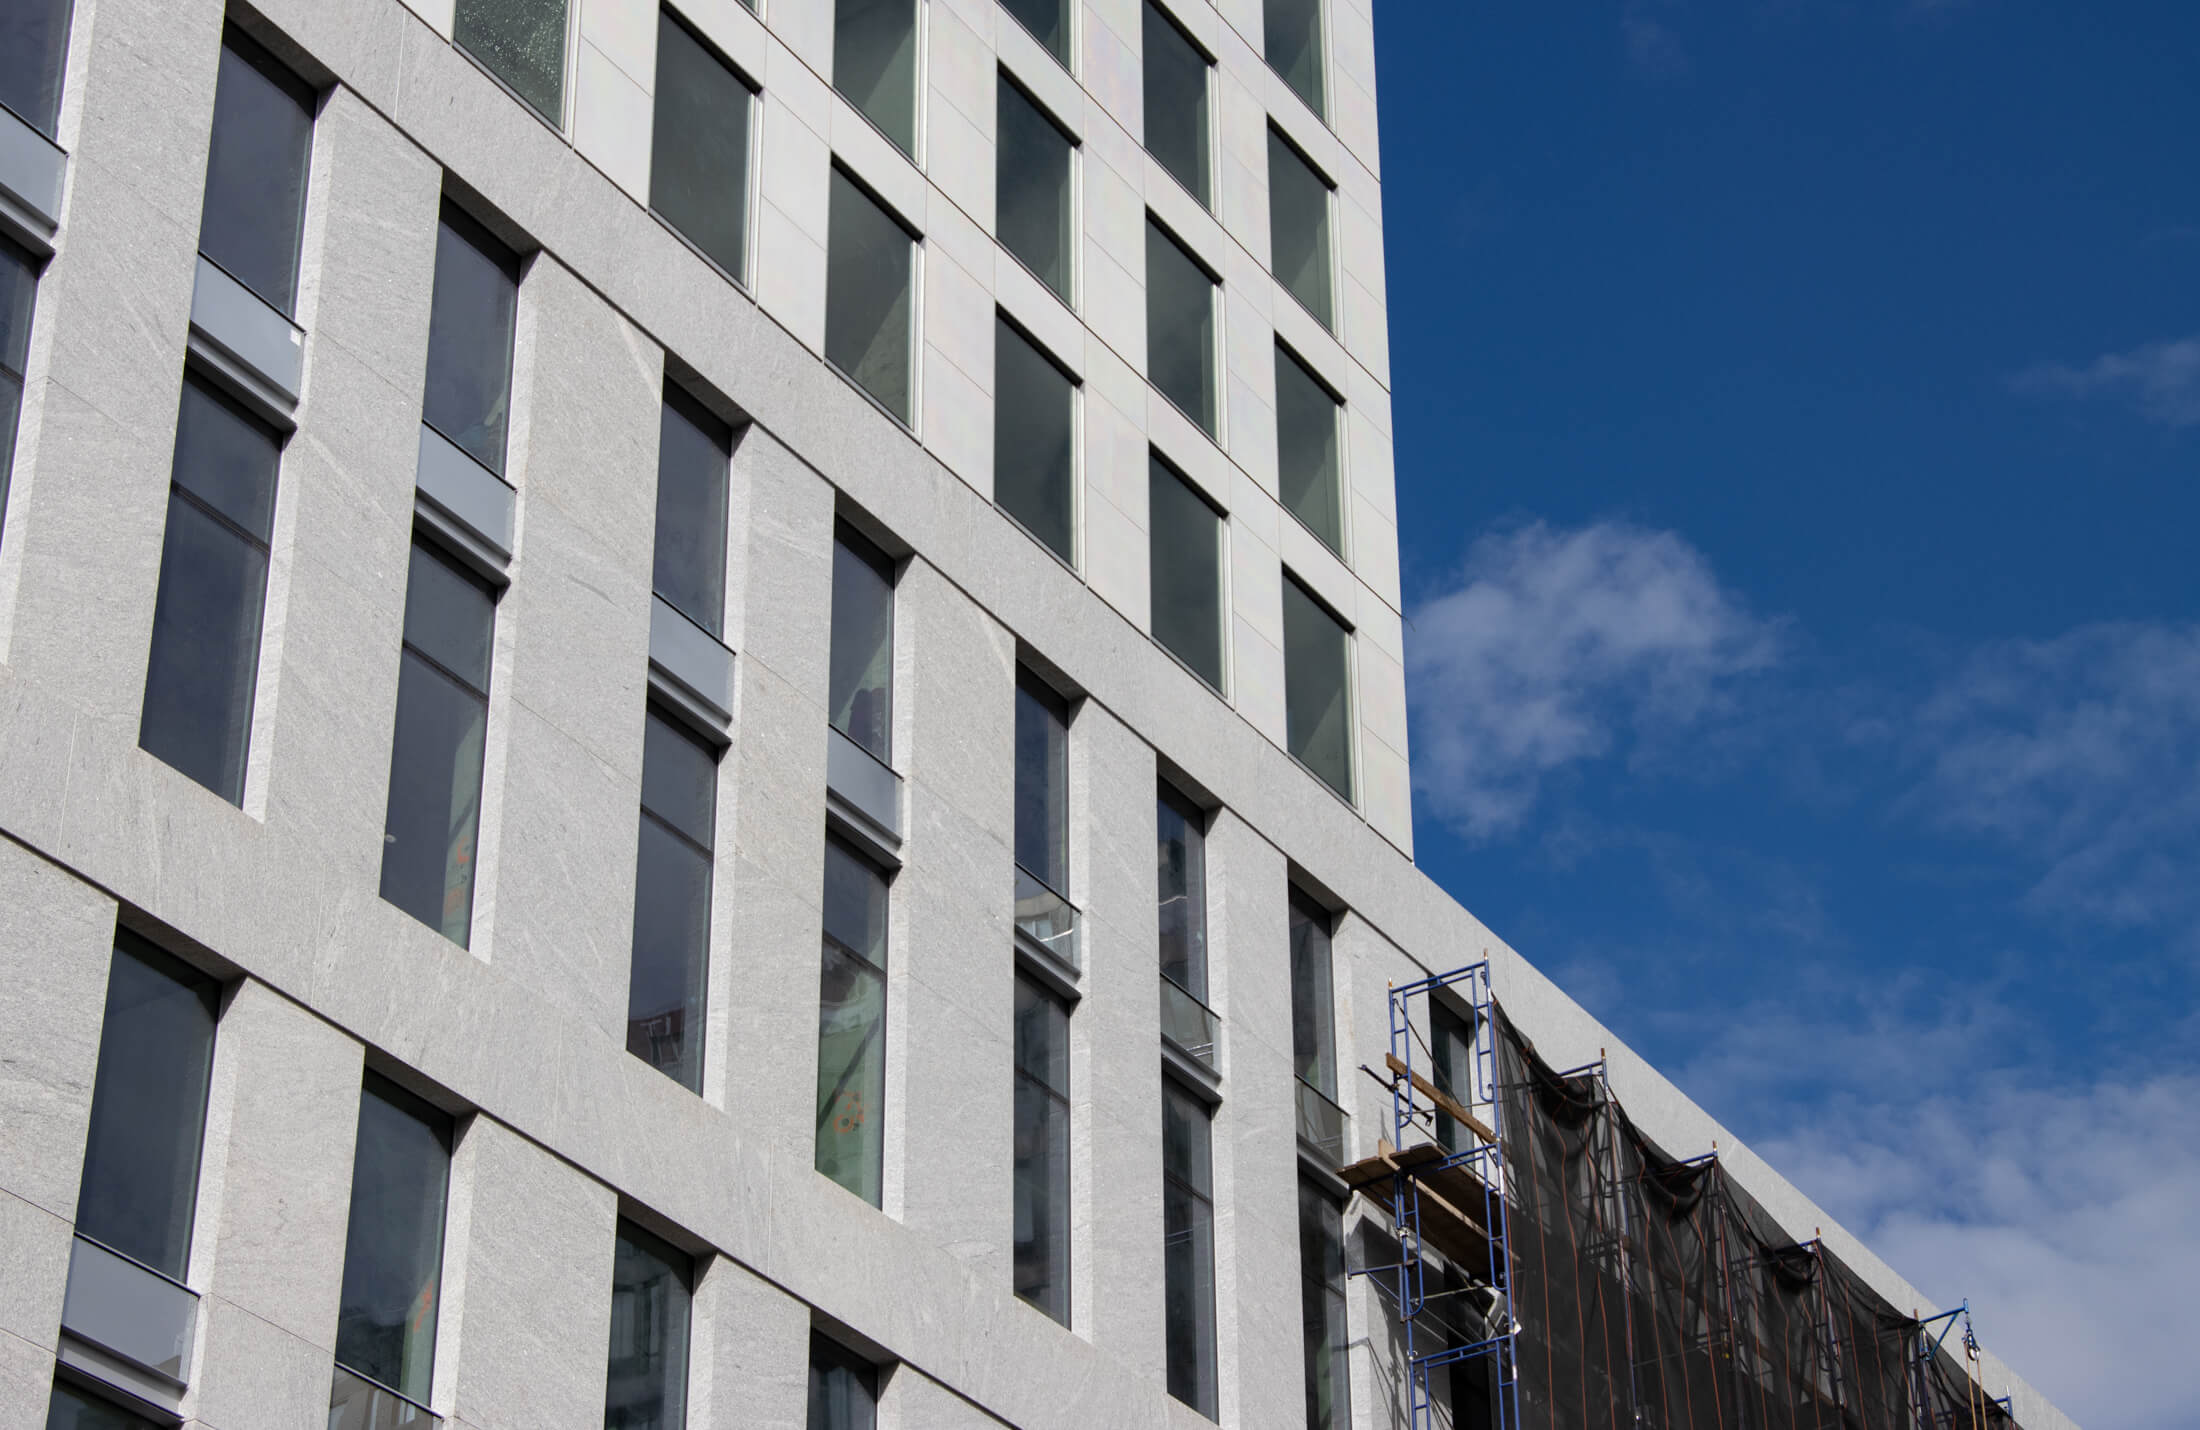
(1316, 686)
(433, 822)
(393, 1251)
(1180, 327)
(1306, 450)
(1042, 1149)
(875, 64)
(1042, 783)
(699, 146)
(205, 655)
(1473, 1395)
(1321, 1267)
(1185, 542)
(1313, 998)
(1451, 1055)
(651, 1282)
(870, 270)
(862, 660)
(1293, 41)
(851, 1025)
(254, 211)
(1298, 228)
(1034, 440)
(470, 318)
(34, 49)
(18, 284)
(843, 1388)
(1176, 103)
(1049, 23)
(664, 998)
(694, 455)
(141, 1160)
(1188, 1220)
(1031, 193)
(72, 1409)
(521, 42)
(1183, 882)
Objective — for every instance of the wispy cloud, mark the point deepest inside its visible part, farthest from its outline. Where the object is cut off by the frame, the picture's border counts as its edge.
(2161, 379)
(1550, 647)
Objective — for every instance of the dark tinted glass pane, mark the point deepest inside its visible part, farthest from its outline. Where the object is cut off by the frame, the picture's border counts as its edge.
(862, 657)
(875, 63)
(843, 1390)
(1186, 1130)
(256, 173)
(18, 284)
(855, 903)
(1042, 786)
(1321, 1269)
(435, 799)
(679, 779)
(469, 387)
(1034, 440)
(205, 654)
(1031, 191)
(1176, 102)
(868, 263)
(1473, 1399)
(72, 1409)
(1298, 228)
(851, 1073)
(393, 1250)
(141, 1161)
(1180, 328)
(664, 1000)
(11, 401)
(650, 1285)
(1313, 1001)
(699, 147)
(1042, 1037)
(1183, 884)
(1188, 1250)
(226, 459)
(449, 617)
(34, 47)
(1048, 20)
(1186, 572)
(522, 42)
(1042, 1151)
(1316, 685)
(694, 454)
(1293, 41)
(1306, 451)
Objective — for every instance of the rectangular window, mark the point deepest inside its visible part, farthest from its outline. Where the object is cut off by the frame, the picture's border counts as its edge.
(1298, 228)
(843, 1388)
(1451, 1058)
(521, 42)
(1177, 81)
(851, 1025)
(1185, 543)
(1049, 23)
(1188, 1256)
(1042, 1149)
(1034, 440)
(434, 817)
(1031, 190)
(1180, 327)
(875, 64)
(34, 51)
(470, 325)
(672, 874)
(1321, 1268)
(254, 211)
(393, 1250)
(1183, 883)
(1307, 467)
(18, 286)
(699, 146)
(1293, 41)
(694, 458)
(1313, 998)
(204, 660)
(1317, 683)
(862, 657)
(141, 1159)
(73, 1409)
(870, 272)
(651, 1284)
(1042, 783)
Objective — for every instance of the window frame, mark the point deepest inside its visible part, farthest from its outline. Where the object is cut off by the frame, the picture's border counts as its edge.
(1158, 467)
(1061, 1182)
(912, 347)
(1005, 80)
(1071, 558)
(751, 179)
(1213, 377)
(1202, 194)
(1350, 793)
(694, 1043)
(1287, 354)
(882, 971)
(568, 63)
(256, 56)
(1327, 236)
(860, 548)
(918, 79)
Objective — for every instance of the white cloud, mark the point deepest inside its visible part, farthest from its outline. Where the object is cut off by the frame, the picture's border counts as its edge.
(1549, 645)
(2161, 379)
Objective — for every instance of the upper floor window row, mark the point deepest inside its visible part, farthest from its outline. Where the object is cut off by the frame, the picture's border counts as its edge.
(34, 51)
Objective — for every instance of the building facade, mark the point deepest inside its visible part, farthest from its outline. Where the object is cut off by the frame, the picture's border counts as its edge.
(702, 714)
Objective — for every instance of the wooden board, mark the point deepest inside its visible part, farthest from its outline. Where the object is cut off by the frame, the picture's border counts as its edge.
(1445, 1102)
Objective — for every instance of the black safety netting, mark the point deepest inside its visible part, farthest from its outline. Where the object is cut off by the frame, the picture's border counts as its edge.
(1656, 1293)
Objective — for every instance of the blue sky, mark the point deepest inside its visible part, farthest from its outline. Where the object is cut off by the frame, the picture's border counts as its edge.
(1798, 436)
